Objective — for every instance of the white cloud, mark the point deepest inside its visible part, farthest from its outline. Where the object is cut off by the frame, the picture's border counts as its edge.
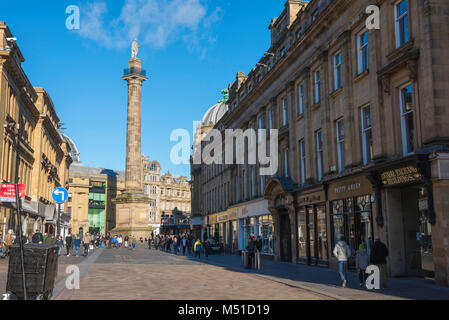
(153, 22)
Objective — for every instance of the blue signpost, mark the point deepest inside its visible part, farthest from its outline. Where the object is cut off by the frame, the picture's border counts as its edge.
(59, 195)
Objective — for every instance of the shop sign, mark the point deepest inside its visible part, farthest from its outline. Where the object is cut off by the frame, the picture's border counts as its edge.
(311, 198)
(8, 192)
(223, 218)
(350, 188)
(404, 175)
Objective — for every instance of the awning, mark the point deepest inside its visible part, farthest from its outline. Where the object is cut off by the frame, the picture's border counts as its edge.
(47, 211)
(28, 207)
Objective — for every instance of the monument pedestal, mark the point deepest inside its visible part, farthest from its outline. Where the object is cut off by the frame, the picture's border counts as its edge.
(132, 215)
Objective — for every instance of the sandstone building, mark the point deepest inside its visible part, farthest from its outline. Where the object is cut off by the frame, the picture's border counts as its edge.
(92, 191)
(363, 139)
(32, 147)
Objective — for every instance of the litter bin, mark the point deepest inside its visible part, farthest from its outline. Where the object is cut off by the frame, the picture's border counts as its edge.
(41, 267)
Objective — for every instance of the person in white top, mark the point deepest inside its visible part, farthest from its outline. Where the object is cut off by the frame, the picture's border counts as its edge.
(342, 252)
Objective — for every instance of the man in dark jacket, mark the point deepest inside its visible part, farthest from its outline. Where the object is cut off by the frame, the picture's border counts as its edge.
(379, 254)
(250, 248)
(37, 237)
(259, 244)
(68, 243)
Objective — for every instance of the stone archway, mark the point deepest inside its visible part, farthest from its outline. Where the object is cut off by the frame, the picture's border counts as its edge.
(279, 193)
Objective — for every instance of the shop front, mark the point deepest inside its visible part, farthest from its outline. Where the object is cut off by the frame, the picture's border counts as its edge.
(312, 228)
(407, 195)
(351, 202)
(254, 219)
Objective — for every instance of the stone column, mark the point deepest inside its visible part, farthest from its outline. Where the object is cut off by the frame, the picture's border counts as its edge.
(135, 78)
(132, 207)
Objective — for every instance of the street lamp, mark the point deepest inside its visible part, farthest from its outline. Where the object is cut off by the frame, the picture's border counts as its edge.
(11, 125)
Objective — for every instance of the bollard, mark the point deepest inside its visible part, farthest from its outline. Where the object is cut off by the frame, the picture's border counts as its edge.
(257, 264)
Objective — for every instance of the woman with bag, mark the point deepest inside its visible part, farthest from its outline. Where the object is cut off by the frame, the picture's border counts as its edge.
(361, 262)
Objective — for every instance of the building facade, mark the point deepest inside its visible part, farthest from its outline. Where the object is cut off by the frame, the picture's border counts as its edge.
(33, 150)
(175, 202)
(92, 191)
(90, 198)
(362, 138)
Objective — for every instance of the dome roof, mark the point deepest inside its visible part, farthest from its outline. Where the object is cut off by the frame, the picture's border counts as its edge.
(74, 153)
(214, 114)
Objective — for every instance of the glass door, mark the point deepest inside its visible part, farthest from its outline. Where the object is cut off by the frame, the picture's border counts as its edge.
(311, 233)
(302, 236)
(322, 244)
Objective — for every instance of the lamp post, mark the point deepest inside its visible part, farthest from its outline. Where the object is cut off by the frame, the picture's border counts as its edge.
(11, 125)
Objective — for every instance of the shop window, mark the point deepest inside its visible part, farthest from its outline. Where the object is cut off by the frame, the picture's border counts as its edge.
(401, 23)
(321, 226)
(352, 219)
(362, 52)
(302, 234)
(407, 120)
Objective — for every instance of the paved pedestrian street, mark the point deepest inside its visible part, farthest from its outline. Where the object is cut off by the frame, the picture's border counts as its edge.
(142, 274)
(123, 274)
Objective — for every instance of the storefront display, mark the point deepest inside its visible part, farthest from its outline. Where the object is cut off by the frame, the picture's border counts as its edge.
(353, 220)
(312, 244)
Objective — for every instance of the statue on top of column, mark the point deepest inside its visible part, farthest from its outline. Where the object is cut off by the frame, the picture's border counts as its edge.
(135, 49)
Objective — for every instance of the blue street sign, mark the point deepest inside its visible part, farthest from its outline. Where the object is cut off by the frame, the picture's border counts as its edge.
(60, 195)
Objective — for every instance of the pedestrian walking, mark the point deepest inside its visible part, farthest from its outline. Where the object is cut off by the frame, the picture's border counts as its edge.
(134, 241)
(342, 252)
(9, 240)
(126, 241)
(259, 244)
(379, 255)
(197, 249)
(206, 249)
(114, 241)
(251, 247)
(86, 242)
(60, 243)
(184, 245)
(68, 243)
(77, 243)
(37, 237)
(109, 238)
(361, 263)
(50, 240)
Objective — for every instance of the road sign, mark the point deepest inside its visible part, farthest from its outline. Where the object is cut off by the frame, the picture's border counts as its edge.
(60, 195)
(8, 192)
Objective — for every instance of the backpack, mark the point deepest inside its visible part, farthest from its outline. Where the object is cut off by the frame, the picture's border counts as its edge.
(198, 247)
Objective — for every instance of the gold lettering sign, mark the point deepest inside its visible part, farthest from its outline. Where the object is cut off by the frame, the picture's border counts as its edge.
(401, 176)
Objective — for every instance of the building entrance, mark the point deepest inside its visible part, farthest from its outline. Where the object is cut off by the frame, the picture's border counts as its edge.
(353, 219)
(285, 236)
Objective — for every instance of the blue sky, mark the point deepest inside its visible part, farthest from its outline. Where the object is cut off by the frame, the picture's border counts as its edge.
(191, 49)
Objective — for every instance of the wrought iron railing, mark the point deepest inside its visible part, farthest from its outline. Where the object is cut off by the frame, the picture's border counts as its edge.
(138, 71)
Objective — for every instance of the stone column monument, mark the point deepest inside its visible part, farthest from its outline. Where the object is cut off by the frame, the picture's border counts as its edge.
(132, 207)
